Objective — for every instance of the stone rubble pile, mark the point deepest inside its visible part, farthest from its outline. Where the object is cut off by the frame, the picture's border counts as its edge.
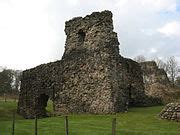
(171, 112)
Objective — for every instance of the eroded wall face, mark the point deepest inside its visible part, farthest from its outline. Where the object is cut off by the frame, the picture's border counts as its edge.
(135, 90)
(156, 81)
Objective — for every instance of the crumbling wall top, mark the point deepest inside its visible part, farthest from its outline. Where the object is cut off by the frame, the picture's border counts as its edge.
(91, 33)
(88, 21)
(148, 65)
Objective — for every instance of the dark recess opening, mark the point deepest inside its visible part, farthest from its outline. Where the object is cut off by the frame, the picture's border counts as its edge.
(81, 35)
(130, 95)
(41, 104)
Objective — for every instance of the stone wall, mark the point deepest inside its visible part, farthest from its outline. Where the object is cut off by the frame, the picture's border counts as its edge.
(135, 89)
(156, 81)
(37, 86)
(91, 77)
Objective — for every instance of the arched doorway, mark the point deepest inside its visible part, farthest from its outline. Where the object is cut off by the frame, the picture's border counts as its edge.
(40, 105)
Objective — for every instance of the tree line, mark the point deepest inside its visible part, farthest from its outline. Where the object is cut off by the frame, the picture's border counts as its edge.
(10, 82)
(170, 66)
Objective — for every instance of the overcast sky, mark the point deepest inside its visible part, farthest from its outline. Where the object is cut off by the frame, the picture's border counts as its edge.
(32, 31)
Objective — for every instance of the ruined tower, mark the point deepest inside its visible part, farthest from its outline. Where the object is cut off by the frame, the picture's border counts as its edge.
(91, 80)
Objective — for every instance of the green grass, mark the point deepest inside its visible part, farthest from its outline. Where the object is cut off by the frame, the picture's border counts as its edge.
(138, 121)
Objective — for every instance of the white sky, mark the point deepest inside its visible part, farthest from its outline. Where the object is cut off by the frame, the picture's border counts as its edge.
(32, 31)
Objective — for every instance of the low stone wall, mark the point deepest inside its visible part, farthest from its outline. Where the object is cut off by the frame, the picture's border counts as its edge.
(171, 112)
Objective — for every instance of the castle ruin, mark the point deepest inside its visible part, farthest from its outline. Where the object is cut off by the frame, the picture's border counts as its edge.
(91, 77)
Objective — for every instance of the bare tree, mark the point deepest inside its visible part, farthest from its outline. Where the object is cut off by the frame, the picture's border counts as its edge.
(161, 64)
(140, 58)
(172, 67)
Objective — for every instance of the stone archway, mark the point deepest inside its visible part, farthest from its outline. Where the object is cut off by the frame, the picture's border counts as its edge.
(40, 105)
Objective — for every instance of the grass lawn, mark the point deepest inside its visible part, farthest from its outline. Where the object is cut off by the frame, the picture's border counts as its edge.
(138, 121)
